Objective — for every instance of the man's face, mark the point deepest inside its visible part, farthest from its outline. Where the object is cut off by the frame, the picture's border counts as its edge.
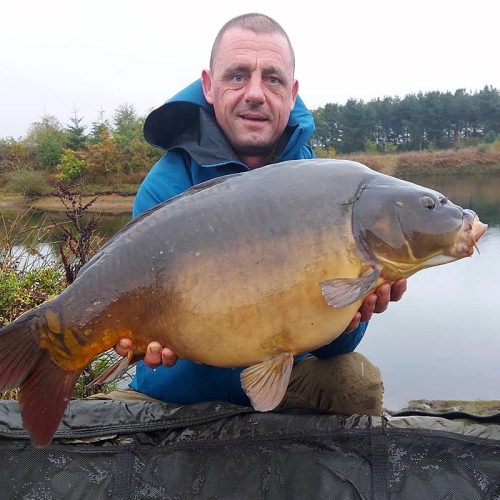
(252, 89)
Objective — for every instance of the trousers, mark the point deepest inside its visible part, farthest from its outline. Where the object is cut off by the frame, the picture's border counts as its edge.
(347, 384)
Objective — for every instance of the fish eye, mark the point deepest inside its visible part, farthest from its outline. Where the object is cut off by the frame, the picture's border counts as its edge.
(428, 203)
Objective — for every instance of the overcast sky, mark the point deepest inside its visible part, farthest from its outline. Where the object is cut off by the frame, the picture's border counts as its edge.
(57, 55)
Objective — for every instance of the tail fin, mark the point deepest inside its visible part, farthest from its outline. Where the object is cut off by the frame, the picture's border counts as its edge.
(45, 388)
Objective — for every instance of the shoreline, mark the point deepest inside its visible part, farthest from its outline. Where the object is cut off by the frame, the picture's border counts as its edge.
(104, 204)
(474, 407)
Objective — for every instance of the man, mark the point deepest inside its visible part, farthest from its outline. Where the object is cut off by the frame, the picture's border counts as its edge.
(245, 113)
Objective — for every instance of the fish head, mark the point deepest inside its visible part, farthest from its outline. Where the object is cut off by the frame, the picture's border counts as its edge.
(405, 227)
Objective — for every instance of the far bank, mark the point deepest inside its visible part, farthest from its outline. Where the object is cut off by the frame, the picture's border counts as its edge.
(32, 188)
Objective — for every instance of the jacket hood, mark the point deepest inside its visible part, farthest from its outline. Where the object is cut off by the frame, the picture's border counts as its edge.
(187, 121)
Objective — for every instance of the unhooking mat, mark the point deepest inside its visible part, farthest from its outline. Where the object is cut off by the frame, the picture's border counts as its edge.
(143, 450)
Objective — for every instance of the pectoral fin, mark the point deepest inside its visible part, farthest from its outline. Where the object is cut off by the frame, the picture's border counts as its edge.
(266, 383)
(117, 370)
(344, 291)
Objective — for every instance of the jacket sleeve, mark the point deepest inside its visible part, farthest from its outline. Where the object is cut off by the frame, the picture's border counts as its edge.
(168, 178)
(343, 344)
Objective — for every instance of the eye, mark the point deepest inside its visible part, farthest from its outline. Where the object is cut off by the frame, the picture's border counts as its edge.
(238, 78)
(443, 200)
(273, 80)
(428, 203)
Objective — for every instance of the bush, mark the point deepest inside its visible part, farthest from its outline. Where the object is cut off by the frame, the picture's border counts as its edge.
(482, 147)
(370, 146)
(28, 183)
(4, 180)
(320, 153)
(22, 291)
(70, 168)
(495, 147)
(390, 148)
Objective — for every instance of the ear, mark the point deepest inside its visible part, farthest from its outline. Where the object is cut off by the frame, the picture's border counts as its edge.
(295, 92)
(206, 81)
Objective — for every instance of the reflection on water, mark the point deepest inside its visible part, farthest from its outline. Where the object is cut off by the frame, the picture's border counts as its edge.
(442, 341)
(108, 224)
(36, 226)
(43, 255)
(481, 193)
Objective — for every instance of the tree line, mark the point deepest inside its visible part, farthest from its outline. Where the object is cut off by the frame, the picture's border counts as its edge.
(73, 151)
(116, 147)
(422, 121)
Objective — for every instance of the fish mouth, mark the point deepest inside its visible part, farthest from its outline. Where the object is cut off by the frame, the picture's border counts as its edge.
(472, 230)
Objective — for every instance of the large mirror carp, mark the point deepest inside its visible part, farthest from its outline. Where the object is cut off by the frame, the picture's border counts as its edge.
(245, 270)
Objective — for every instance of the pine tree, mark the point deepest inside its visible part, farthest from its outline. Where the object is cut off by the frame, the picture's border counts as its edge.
(75, 133)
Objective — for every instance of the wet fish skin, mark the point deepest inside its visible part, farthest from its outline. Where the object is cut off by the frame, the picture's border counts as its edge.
(241, 271)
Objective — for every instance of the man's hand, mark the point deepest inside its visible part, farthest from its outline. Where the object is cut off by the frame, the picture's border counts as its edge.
(377, 302)
(155, 355)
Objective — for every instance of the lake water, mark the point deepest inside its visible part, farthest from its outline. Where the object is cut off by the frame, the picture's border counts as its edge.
(442, 340)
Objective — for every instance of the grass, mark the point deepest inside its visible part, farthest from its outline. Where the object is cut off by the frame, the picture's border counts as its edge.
(481, 159)
(478, 407)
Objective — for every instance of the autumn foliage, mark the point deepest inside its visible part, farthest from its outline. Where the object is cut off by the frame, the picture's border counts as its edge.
(468, 160)
(109, 152)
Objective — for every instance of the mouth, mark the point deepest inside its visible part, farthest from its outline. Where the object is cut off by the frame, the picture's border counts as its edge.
(477, 230)
(253, 117)
(472, 233)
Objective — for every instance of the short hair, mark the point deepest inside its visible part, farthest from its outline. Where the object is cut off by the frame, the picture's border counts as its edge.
(258, 23)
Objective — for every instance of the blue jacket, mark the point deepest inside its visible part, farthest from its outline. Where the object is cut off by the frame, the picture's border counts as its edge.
(185, 126)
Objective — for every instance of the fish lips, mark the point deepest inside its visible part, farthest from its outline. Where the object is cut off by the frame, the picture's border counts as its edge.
(478, 228)
(473, 230)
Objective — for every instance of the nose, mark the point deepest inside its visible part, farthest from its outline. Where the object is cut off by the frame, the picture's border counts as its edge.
(254, 92)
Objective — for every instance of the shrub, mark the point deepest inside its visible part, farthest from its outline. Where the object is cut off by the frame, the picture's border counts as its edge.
(320, 153)
(22, 291)
(28, 183)
(495, 147)
(482, 147)
(70, 168)
(370, 146)
(390, 148)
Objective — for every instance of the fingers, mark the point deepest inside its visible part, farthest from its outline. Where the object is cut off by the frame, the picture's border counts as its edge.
(398, 289)
(383, 293)
(378, 301)
(168, 357)
(354, 323)
(368, 307)
(387, 293)
(124, 346)
(156, 356)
